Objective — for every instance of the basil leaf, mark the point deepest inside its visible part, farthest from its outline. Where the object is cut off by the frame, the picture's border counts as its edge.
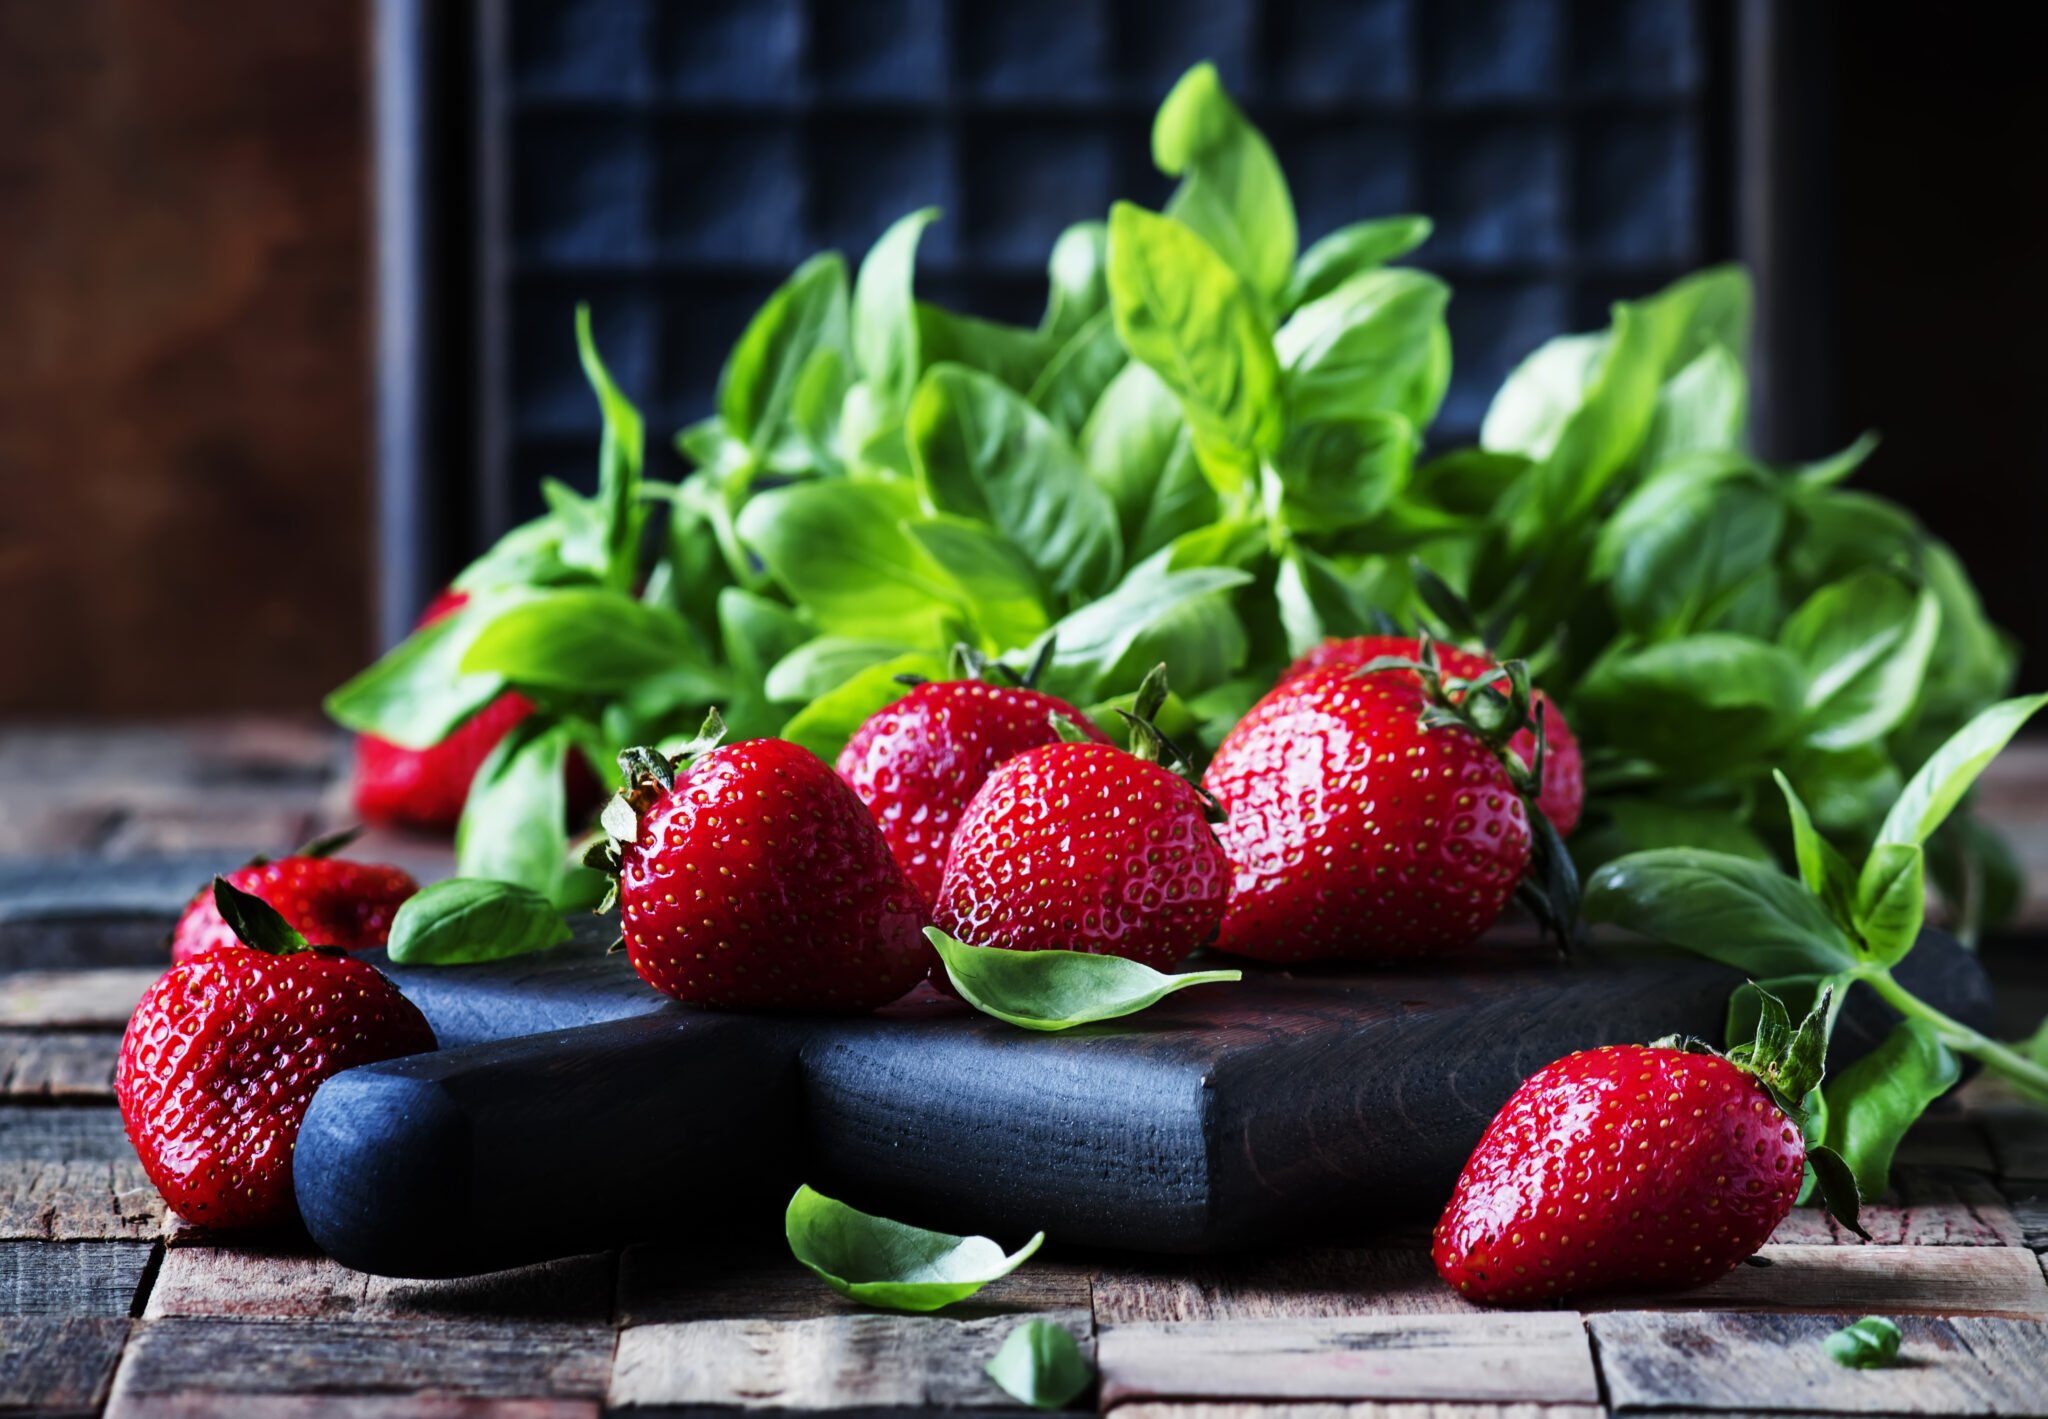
(418, 692)
(590, 639)
(1707, 702)
(1185, 313)
(463, 920)
(1703, 408)
(1865, 642)
(1891, 901)
(816, 666)
(1041, 1364)
(757, 634)
(513, 826)
(1842, 532)
(1183, 618)
(1626, 825)
(1135, 447)
(1074, 380)
(1826, 472)
(1728, 909)
(1317, 599)
(982, 452)
(1001, 587)
(1077, 279)
(1977, 659)
(758, 387)
(622, 452)
(1375, 343)
(1848, 790)
(889, 1264)
(825, 724)
(1057, 990)
(1874, 1101)
(1932, 794)
(1336, 475)
(1821, 868)
(1232, 191)
(839, 549)
(1010, 353)
(529, 555)
(1868, 1344)
(885, 324)
(1679, 544)
(1347, 251)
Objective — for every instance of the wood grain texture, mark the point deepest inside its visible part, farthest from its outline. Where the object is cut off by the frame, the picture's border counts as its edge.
(67, 1066)
(72, 1278)
(1763, 1363)
(62, 1134)
(1366, 1409)
(1298, 1284)
(1929, 1206)
(57, 1363)
(832, 1362)
(75, 1000)
(2003, 1281)
(285, 1283)
(83, 1201)
(344, 1406)
(1511, 1356)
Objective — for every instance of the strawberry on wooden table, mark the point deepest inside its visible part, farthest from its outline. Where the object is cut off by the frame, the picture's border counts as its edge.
(1634, 1167)
(222, 1056)
(917, 762)
(751, 877)
(329, 899)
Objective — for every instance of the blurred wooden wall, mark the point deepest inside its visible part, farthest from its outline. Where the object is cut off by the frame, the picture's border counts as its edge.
(184, 295)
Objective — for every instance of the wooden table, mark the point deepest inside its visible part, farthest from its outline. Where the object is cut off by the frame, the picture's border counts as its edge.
(105, 1304)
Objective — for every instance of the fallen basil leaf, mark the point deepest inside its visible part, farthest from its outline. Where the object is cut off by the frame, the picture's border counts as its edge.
(1057, 990)
(1041, 1364)
(1869, 1343)
(467, 919)
(889, 1264)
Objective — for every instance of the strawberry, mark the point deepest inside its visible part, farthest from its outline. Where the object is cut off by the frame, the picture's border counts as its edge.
(1636, 1167)
(1369, 814)
(222, 1057)
(1082, 846)
(754, 878)
(1563, 795)
(917, 762)
(327, 899)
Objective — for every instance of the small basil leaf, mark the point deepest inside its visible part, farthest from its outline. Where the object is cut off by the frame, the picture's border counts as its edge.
(590, 638)
(622, 452)
(418, 693)
(758, 387)
(1891, 900)
(1707, 702)
(466, 919)
(514, 823)
(1702, 407)
(1728, 909)
(1826, 472)
(1866, 1345)
(1375, 344)
(999, 585)
(1338, 474)
(1232, 190)
(1865, 642)
(1183, 618)
(839, 549)
(1347, 251)
(1874, 1101)
(1041, 1364)
(1626, 825)
(824, 664)
(825, 724)
(885, 330)
(1932, 794)
(255, 922)
(888, 1264)
(1823, 870)
(1077, 280)
(1074, 380)
(1057, 990)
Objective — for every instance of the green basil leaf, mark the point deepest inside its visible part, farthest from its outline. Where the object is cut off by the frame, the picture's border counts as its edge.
(885, 324)
(1232, 191)
(1041, 1364)
(825, 724)
(529, 555)
(1891, 900)
(1868, 1344)
(1932, 794)
(1703, 408)
(1057, 990)
(1974, 869)
(622, 453)
(1135, 447)
(1677, 546)
(1183, 618)
(758, 387)
(758, 634)
(1375, 343)
(1840, 532)
(1865, 642)
(1847, 791)
(590, 639)
(825, 663)
(1010, 353)
(839, 549)
(1874, 1101)
(418, 692)
(1319, 599)
(1827, 472)
(1339, 474)
(464, 919)
(1183, 311)
(1977, 659)
(1821, 868)
(1000, 584)
(514, 823)
(1074, 380)
(889, 1264)
(1625, 825)
(1728, 909)
(982, 452)
(1346, 252)
(1077, 278)
(1711, 701)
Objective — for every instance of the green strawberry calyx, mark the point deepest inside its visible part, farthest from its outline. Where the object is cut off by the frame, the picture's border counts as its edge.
(1789, 1061)
(969, 663)
(648, 773)
(259, 925)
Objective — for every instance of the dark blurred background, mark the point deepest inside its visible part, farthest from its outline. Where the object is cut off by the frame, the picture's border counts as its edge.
(238, 449)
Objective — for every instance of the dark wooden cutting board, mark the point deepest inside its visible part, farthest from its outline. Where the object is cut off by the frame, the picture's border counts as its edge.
(571, 1109)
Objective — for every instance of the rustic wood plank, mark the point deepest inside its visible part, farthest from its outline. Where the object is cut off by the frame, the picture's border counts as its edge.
(2029, 1202)
(1540, 1357)
(75, 1000)
(83, 1201)
(1892, 1280)
(58, 1362)
(1361, 1410)
(662, 1283)
(237, 826)
(1929, 1206)
(348, 1356)
(62, 1134)
(71, 1278)
(68, 1065)
(1331, 1282)
(347, 1406)
(832, 1362)
(1961, 1365)
(282, 1282)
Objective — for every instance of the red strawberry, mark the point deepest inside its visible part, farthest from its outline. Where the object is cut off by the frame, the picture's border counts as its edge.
(917, 762)
(1637, 1168)
(223, 1054)
(327, 899)
(755, 879)
(1358, 831)
(1086, 847)
(1564, 776)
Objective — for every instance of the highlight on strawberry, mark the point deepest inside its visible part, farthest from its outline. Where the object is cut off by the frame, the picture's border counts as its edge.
(324, 897)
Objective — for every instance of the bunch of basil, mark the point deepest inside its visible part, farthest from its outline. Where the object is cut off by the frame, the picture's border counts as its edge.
(1209, 452)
